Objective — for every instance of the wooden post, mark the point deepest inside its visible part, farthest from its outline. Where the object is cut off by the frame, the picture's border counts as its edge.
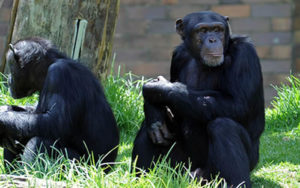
(82, 29)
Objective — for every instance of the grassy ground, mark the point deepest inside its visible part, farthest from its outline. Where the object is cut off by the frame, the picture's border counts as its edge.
(279, 164)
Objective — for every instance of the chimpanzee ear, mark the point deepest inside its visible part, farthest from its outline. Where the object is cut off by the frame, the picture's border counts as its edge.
(179, 27)
(15, 51)
(16, 54)
(11, 47)
(229, 27)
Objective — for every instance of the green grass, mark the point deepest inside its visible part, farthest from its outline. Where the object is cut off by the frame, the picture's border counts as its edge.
(6, 99)
(279, 164)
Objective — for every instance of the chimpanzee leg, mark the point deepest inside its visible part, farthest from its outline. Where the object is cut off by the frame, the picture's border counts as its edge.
(9, 156)
(41, 145)
(157, 117)
(145, 152)
(153, 114)
(229, 150)
(9, 159)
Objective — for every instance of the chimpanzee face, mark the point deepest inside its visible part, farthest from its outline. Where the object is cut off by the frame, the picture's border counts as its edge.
(204, 37)
(18, 76)
(19, 79)
(208, 40)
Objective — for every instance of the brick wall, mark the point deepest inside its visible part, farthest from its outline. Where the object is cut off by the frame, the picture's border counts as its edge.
(145, 35)
(296, 39)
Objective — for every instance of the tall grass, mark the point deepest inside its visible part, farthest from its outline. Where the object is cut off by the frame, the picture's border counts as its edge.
(124, 94)
(286, 106)
(6, 99)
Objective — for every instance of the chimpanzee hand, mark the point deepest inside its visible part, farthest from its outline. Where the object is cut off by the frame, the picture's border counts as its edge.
(159, 133)
(9, 143)
(157, 90)
(6, 140)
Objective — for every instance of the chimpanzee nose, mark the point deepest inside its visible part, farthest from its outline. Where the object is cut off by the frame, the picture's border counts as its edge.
(212, 40)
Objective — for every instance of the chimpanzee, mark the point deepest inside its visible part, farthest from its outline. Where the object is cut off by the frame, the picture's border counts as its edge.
(72, 113)
(213, 107)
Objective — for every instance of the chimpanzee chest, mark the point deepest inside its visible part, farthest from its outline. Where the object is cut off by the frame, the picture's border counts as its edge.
(201, 78)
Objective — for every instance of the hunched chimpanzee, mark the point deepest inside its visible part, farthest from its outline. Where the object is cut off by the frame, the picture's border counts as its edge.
(72, 112)
(213, 108)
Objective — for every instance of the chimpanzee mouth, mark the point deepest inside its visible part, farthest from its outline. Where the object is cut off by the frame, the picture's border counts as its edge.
(215, 55)
(213, 60)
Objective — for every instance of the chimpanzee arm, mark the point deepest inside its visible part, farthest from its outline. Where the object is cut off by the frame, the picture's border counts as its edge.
(54, 123)
(56, 112)
(242, 87)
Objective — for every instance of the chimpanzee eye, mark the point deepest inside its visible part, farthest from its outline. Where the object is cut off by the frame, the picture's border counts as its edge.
(203, 30)
(217, 29)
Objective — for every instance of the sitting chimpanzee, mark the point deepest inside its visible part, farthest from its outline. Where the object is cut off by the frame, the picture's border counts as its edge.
(213, 108)
(72, 112)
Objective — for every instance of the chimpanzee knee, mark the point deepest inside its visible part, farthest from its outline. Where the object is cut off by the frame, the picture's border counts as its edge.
(35, 146)
(219, 126)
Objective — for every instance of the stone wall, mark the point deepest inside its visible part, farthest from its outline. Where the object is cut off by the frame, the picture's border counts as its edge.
(145, 35)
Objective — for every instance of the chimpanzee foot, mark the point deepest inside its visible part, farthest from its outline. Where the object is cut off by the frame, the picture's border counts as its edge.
(198, 175)
(159, 134)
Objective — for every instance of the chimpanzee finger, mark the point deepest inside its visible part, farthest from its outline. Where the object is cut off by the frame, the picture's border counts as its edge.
(161, 78)
(170, 114)
(153, 80)
(159, 137)
(152, 136)
(166, 133)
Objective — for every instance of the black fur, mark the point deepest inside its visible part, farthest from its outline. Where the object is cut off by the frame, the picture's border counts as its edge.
(72, 111)
(218, 112)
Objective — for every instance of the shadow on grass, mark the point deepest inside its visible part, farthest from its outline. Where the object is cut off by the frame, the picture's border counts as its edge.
(126, 144)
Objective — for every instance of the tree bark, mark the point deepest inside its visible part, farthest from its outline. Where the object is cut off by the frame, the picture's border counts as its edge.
(81, 29)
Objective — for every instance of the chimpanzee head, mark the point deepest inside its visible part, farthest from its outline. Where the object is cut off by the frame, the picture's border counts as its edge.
(206, 35)
(28, 66)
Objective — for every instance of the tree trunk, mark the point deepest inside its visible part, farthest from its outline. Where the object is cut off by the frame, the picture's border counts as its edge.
(83, 29)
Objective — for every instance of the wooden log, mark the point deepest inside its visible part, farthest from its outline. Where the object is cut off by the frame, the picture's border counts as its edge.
(83, 29)
(25, 181)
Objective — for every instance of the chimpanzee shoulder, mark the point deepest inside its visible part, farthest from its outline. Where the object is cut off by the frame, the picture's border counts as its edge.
(180, 57)
(244, 55)
(70, 73)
